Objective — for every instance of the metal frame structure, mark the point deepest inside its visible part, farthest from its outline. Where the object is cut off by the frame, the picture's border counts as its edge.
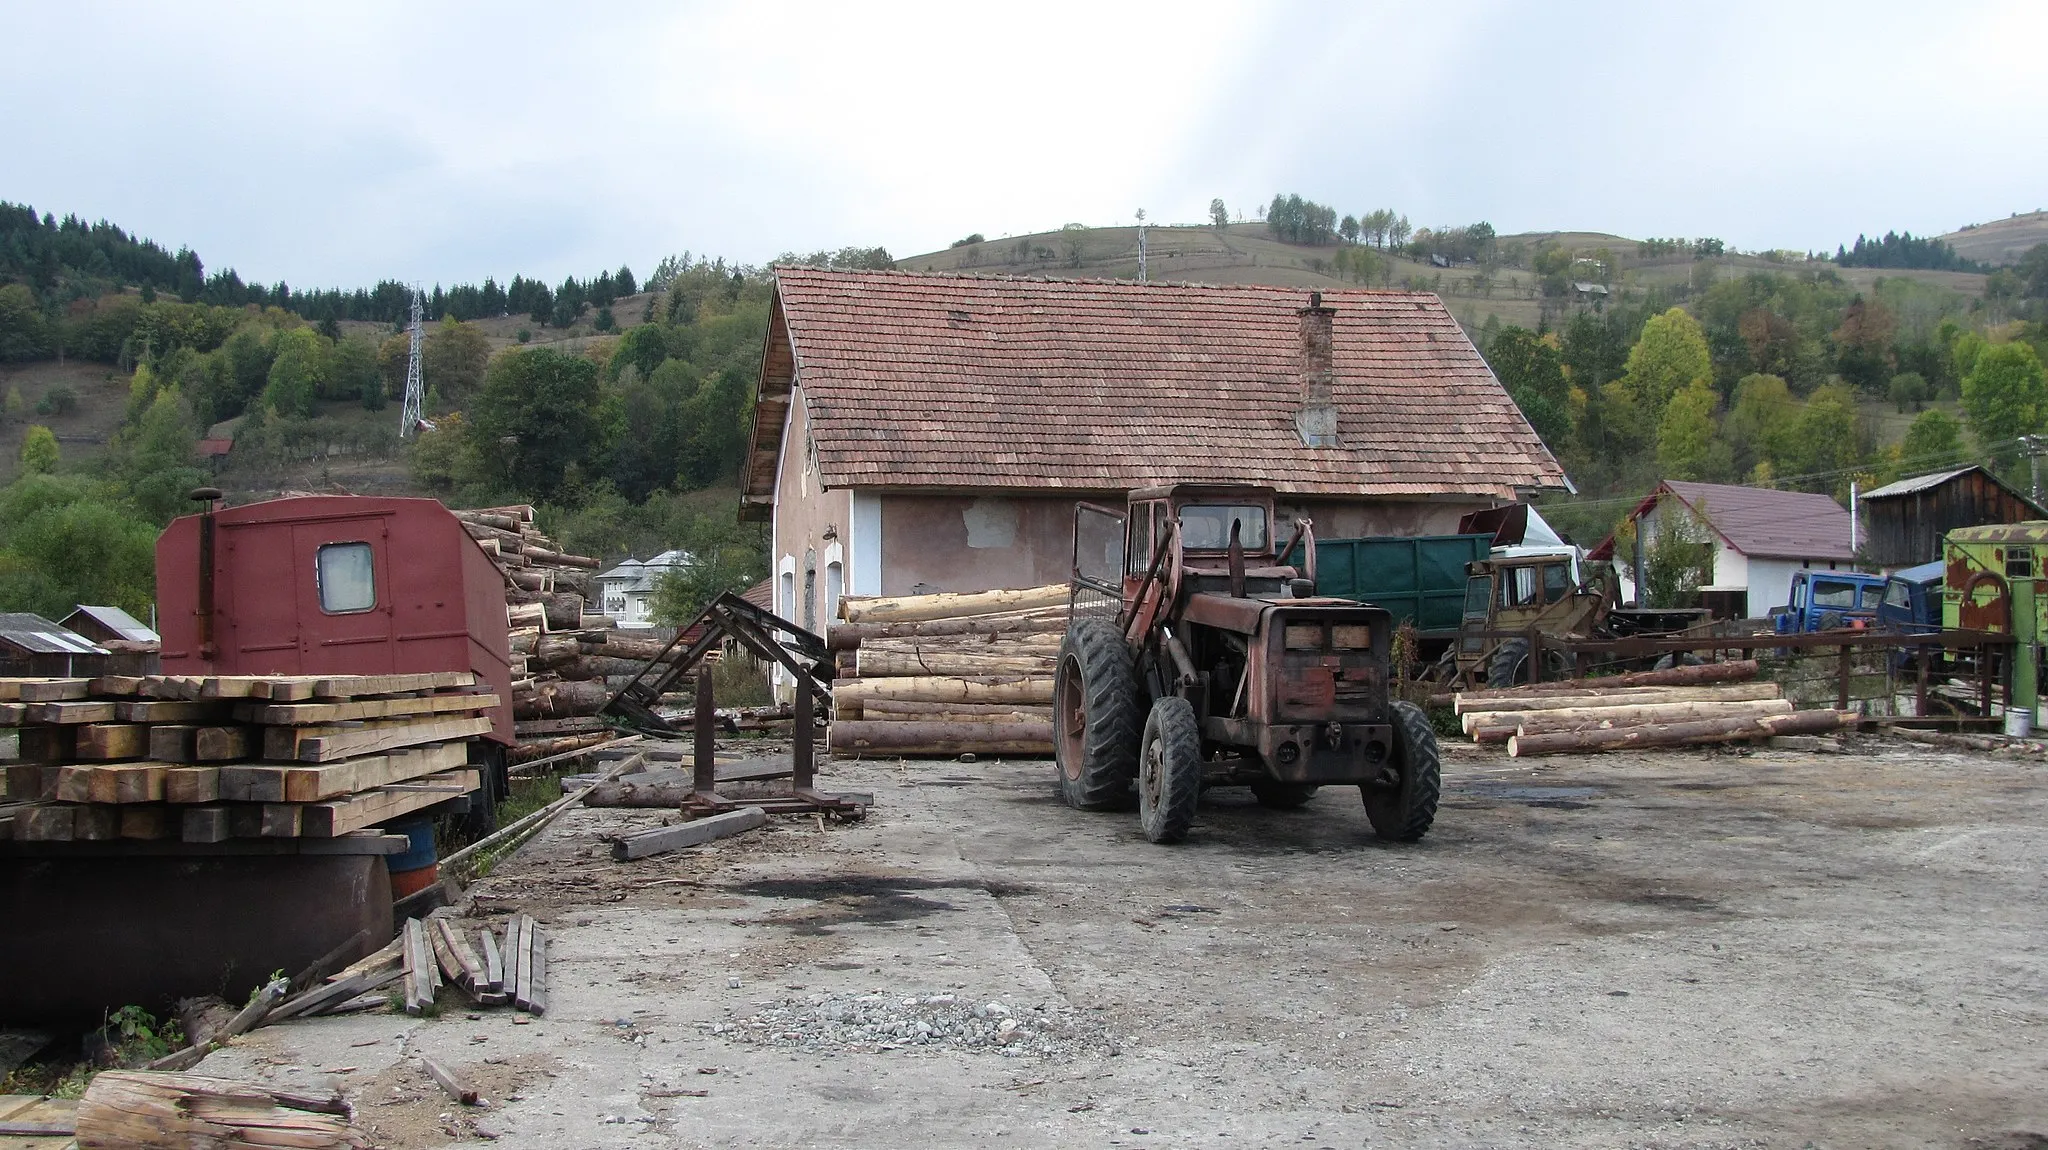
(414, 412)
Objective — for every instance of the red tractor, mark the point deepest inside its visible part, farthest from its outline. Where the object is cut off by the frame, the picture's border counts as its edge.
(1197, 658)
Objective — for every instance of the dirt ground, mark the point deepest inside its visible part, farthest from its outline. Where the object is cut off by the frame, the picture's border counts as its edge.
(1693, 948)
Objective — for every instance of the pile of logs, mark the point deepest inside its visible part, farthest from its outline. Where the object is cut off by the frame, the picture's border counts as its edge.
(562, 653)
(1681, 707)
(947, 674)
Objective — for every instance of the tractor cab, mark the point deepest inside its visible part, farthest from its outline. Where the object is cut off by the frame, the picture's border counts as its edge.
(1208, 533)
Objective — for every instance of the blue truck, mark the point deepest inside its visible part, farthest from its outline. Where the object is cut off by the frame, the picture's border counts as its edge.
(1829, 601)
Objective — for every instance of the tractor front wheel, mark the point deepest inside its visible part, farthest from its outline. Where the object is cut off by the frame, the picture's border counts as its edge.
(1095, 714)
(1510, 664)
(1169, 771)
(1402, 808)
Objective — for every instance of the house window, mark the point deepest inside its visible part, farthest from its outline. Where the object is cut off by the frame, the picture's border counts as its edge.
(835, 585)
(346, 577)
(787, 594)
(2019, 563)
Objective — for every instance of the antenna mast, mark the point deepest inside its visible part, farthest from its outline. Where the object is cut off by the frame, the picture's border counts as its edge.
(410, 419)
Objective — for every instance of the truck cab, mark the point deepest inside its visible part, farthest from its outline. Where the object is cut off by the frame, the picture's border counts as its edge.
(1828, 601)
(1912, 599)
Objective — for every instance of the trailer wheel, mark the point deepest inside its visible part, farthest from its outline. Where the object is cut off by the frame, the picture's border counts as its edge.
(1403, 811)
(1095, 706)
(1169, 770)
(1510, 664)
(1283, 796)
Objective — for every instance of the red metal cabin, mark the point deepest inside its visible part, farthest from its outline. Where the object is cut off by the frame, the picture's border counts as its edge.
(333, 584)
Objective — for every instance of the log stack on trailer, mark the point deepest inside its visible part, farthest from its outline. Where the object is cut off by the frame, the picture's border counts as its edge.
(1682, 707)
(205, 759)
(946, 674)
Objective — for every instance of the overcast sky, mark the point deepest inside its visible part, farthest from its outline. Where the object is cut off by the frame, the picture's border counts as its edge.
(341, 144)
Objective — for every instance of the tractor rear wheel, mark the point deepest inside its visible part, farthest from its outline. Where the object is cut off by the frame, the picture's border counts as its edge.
(1401, 811)
(1095, 712)
(1283, 796)
(1169, 770)
(1510, 664)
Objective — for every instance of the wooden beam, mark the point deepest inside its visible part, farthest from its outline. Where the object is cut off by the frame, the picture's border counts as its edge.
(79, 711)
(174, 742)
(112, 741)
(330, 744)
(224, 744)
(49, 690)
(354, 686)
(208, 824)
(328, 819)
(172, 711)
(304, 713)
(307, 783)
(128, 783)
(191, 784)
(660, 839)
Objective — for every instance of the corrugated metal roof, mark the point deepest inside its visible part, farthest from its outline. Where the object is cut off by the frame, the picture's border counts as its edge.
(119, 622)
(39, 636)
(1916, 483)
(2032, 531)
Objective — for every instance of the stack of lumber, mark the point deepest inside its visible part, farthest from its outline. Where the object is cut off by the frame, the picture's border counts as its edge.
(1591, 715)
(947, 674)
(547, 594)
(204, 759)
(490, 970)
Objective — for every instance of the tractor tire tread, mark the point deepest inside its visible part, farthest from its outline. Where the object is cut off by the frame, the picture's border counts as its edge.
(1409, 816)
(1109, 746)
(1172, 722)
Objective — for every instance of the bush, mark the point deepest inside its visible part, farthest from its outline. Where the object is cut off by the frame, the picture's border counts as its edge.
(59, 400)
(524, 335)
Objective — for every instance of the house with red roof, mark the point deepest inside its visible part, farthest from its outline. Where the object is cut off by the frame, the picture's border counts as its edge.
(919, 433)
(1760, 538)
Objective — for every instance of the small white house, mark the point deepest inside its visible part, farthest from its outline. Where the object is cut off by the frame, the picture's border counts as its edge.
(1760, 538)
(626, 592)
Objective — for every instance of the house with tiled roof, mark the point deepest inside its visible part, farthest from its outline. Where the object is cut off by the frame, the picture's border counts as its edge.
(1760, 537)
(918, 433)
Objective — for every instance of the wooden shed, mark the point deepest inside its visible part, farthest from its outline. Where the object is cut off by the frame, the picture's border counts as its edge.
(1905, 521)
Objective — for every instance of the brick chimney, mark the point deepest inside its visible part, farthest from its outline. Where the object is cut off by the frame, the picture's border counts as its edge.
(1317, 417)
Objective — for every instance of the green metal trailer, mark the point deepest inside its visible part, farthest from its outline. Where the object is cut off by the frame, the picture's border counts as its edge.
(1993, 580)
(1419, 579)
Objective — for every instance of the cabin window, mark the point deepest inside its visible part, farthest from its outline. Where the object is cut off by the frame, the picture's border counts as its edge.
(1208, 528)
(347, 578)
(1556, 582)
(1478, 589)
(1827, 593)
(2019, 563)
(1518, 587)
(1897, 594)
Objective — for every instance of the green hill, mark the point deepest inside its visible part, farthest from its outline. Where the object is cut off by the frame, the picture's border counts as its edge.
(2000, 241)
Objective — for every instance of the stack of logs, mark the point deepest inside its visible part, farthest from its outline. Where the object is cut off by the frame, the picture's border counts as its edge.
(1684, 706)
(947, 674)
(562, 654)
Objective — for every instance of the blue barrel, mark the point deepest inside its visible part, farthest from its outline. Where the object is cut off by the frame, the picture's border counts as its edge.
(419, 830)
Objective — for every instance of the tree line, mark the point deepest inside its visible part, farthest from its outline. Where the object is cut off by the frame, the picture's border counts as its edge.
(1905, 250)
(1768, 379)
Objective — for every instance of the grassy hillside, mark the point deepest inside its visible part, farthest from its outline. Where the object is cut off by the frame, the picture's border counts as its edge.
(2000, 241)
(1248, 253)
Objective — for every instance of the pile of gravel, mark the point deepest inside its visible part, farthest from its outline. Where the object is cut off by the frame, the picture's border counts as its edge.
(878, 1021)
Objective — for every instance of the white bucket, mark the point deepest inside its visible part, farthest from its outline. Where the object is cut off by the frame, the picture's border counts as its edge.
(2018, 724)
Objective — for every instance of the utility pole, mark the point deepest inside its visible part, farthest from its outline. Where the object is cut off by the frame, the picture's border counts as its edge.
(1141, 245)
(2035, 445)
(414, 412)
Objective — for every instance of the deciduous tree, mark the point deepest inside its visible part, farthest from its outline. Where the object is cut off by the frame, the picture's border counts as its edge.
(39, 453)
(1671, 354)
(2005, 397)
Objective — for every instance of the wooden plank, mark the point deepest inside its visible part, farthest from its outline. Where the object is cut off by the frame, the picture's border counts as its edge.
(292, 714)
(21, 781)
(12, 714)
(537, 981)
(224, 744)
(307, 783)
(96, 823)
(78, 711)
(74, 783)
(128, 783)
(52, 690)
(354, 686)
(446, 963)
(112, 741)
(331, 744)
(171, 686)
(39, 744)
(516, 958)
(419, 987)
(45, 824)
(338, 817)
(233, 686)
(191, 784)
(661, 839)
(494, 964)
(174, 742)
(466, 956)
(171, 711)
(116, 685)
(150, 822)
(208, 824)
(265, 820)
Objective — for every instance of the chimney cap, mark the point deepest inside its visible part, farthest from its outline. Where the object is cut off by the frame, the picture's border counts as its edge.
(1315, 306)
(1315, 299)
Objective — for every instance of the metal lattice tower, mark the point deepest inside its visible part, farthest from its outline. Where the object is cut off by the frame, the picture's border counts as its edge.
(410, 419)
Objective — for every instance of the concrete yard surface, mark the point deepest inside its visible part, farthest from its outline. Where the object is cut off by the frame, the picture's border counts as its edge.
(1687, 948)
